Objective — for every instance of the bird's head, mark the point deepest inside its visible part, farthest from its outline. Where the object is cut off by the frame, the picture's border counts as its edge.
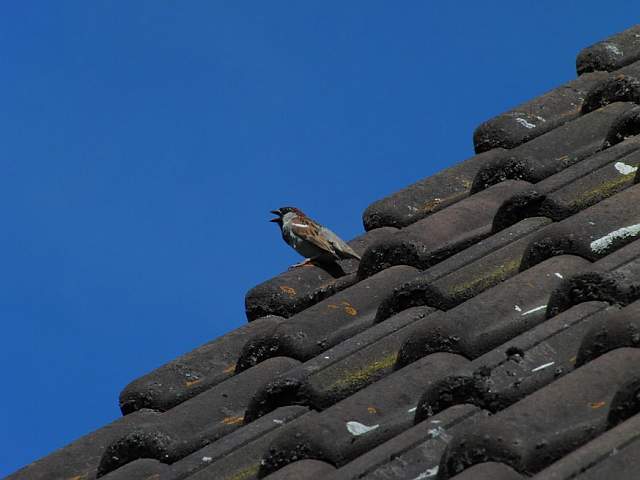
(281, 212)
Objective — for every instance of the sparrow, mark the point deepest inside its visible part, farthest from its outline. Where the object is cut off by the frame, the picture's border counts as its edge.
(309, 238)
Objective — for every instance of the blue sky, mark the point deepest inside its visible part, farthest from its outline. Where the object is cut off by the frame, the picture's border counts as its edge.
(144, 143)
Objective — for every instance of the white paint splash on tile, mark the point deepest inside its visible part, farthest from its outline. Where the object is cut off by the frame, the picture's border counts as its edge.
(436, 421)
(356, 428)
(278, 421)
(206, 459)
(524, 123)
(543, 366)
(559, 275)
(517, 308)
(613, 49)
(411, 410)
(327, 358)
(602, 243)
(533, 310)
(429, 473)
(624, 169)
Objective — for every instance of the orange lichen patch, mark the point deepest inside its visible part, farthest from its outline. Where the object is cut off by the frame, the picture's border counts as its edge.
(230, 369)
(346, 306)
(596, 405)
(233, 420)
(190, 383)
(466, 183)
(431, 204)
(372, 410)
(572, 360)
(349, 309)
(288, 290)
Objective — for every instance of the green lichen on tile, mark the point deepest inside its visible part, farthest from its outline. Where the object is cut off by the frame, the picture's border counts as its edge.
(245, 473)
(362, 375)
(602, 191)
(488, 278)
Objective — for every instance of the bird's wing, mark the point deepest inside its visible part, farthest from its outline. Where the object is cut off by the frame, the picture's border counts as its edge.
(311, 232)
(339, 245)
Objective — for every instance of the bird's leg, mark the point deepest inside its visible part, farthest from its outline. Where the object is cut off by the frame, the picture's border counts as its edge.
(305, 263)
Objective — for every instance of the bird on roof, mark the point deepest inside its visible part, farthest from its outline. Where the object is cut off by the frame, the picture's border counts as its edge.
(309, 238)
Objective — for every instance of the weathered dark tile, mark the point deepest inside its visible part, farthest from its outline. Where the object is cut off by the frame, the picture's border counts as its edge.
(551, 422)
(361, 421)
(145, 468)
(614, 279)
(592, 188)
(538, 116)
(415, 453)
(623, 127)
(554, 151)
(615, 455)
(327, 323)
(340, 371)
(575, 188)
(243, 463)
(195, 423)
(304, 469)
(193, 372)
(615, 331)
(80, 459)
(591, 233)
(492, 317)
(612, 53)
(518, 367)
(426, 196)
(219, 449)
(469, 260)
(490, 471)
(299, 288)
(618, 87)
(442, 234)
(462, 284)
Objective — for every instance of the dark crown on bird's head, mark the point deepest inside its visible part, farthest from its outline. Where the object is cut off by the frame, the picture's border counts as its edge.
(282, 211)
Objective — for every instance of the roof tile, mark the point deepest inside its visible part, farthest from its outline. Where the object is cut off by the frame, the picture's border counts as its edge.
(416, 452)
(245, 438)
(518, 367)
(618, 285)
(327, 323)
(340, 371)
(194, 372)
(428, 195)
(192, 424)
(554, 151)
(341, 432)
(614, 52)
(549, 423)
(538, 116)
(492, 317)
(442, 234)
(299, 288)
(615, 454)
(490, 471)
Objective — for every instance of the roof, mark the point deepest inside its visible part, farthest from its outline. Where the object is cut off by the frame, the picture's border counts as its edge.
(489, 331)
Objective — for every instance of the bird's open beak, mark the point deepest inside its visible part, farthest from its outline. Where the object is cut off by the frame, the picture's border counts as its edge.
(279, 216)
